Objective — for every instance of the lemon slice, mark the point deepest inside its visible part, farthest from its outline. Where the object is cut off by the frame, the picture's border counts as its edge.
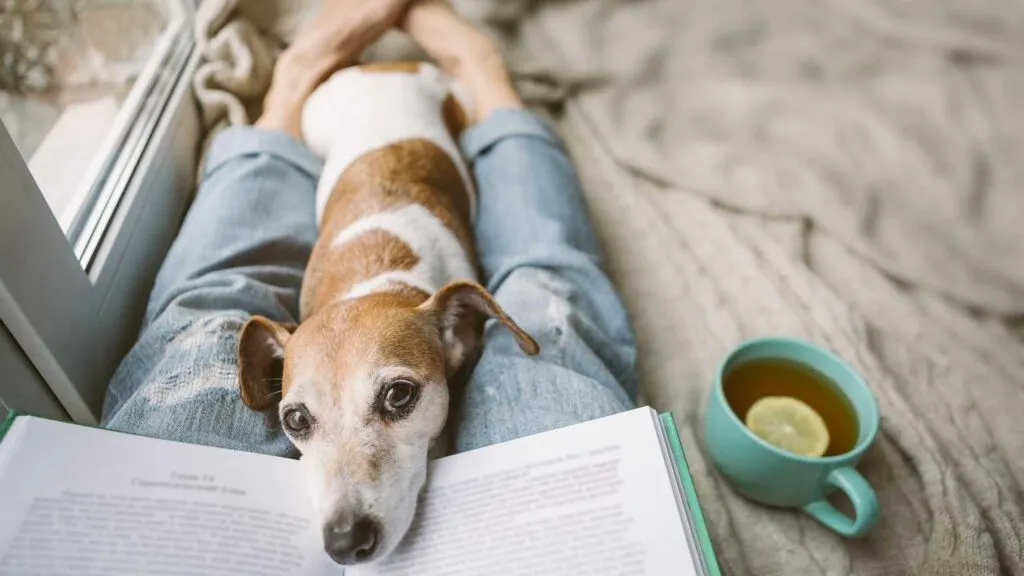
(789, 424)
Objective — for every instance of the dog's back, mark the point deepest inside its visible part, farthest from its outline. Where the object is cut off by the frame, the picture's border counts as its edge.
(395, 199)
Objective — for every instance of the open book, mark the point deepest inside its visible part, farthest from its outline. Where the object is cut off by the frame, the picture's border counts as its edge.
(610, 496)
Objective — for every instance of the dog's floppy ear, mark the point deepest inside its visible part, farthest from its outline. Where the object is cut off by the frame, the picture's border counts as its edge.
(261, 360)
(462, 308)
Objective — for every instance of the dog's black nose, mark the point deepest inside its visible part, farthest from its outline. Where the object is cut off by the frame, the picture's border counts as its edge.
(350, 540)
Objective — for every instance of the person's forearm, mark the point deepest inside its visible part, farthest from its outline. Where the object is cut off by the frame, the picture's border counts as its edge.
(252, 222)
(336, 35)
(465, 53)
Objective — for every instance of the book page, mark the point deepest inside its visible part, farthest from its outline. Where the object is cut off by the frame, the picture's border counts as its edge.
(589, 499)
(594, 498)
(78, 500)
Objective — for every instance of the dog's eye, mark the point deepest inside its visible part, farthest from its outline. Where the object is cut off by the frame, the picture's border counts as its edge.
(399, 396)
(296, 420)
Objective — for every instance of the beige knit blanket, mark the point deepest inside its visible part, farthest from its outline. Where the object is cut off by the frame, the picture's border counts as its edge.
(845, 171)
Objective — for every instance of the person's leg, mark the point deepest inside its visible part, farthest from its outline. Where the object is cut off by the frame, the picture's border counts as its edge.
(541, 260)
(539, 254)
(241, 250)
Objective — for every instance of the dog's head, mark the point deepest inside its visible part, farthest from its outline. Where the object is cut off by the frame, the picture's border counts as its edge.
(363, 395)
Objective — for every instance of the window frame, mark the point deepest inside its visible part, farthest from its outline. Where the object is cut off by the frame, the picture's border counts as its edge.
(73, 305)
(106, 180)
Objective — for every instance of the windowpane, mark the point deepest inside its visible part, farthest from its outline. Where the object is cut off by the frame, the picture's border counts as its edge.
(77, 84)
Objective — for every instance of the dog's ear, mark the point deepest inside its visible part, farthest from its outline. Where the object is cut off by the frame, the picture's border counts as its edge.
(462, 308)
(261, 361)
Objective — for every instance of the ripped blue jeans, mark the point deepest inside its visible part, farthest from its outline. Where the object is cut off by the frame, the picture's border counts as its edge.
(244, 245)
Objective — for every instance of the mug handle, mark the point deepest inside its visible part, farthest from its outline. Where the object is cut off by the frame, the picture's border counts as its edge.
(860, 493)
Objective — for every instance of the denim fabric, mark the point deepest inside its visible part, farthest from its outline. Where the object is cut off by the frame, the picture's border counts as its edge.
(246, 239)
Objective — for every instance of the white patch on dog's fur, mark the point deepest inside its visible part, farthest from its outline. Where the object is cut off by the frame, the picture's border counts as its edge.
(345, 435)
(356, 111)
(442, 258)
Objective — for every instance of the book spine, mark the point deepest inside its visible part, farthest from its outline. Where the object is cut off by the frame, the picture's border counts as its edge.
(703, 537)
(7, 423)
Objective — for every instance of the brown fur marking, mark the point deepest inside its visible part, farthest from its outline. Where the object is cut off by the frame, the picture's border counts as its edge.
(455, 117)
(354, 334)
(258, 364)
(370, 254)
(413, 171)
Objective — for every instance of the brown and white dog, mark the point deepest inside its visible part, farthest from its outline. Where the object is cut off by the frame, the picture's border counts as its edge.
(390, 306)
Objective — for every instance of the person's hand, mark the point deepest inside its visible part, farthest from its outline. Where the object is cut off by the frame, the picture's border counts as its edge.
(336, 36)
(465, 53)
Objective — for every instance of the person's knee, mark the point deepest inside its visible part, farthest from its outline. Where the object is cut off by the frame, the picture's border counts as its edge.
(511, 397)
(579, 332)
(540, 302)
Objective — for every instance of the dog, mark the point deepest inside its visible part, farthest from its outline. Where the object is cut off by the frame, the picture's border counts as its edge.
(390, 307)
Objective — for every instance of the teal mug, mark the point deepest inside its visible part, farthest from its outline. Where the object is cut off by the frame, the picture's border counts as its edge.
(778, 477)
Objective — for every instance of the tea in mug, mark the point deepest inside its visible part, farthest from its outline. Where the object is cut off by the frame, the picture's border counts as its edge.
(755, 379)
